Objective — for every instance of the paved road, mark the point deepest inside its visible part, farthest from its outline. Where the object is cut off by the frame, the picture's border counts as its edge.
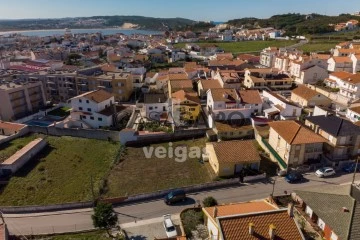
(70, 221)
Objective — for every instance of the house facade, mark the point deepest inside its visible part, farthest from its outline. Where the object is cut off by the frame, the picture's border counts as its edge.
(307, 97)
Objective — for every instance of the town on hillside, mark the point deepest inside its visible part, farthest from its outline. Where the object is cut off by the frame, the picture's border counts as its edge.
(228, 133)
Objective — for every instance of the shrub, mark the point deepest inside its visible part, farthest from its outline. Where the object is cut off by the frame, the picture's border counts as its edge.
(209, 202)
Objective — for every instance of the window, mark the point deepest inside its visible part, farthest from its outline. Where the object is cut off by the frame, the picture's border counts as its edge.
(150, 108)
(99, 119)
(89, 109)
(87, 101)
(80, 108)
(80, 100)
(83, 117)
(92, 118)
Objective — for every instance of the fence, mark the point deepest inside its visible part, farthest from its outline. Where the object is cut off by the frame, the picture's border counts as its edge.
(274, 153)
(22, 132)
(83, 133)
(39, 114)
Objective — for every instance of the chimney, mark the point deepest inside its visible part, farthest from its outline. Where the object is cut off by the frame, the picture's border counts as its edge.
(251, 228)
(215, 212)
(291, 209)
(272, 230)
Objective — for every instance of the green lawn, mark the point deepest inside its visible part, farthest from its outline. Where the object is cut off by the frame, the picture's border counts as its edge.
(61, 112)
(96, 235)
(318, 46)
(9, 148)
(245, 46)
(61, 172)
(137, 174)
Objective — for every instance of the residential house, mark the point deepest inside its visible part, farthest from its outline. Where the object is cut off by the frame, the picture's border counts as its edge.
(20, 99)
(348, 83)
(356, 62)
(274, 82)
(185, 106)
(345, 52)
(249, 58)
(294, 144)
(334, 210)
(353, 114)
(176, 85)
(95, 109)
(337, 64)
(156, 106)
(9, 128)
(229, 78)
(226, 64)
(224, 104)
(267, 56)
(177, 56)
(307, 97)
(277, 107)
(228, 158)
(343, 136)
(234, 129)
(311, 75)
(204, 85)
(251, 220)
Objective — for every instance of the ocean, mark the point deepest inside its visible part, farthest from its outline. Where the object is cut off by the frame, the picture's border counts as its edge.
(104, 31)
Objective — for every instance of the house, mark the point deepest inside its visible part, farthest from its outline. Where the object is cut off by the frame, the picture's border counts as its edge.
(307, 97)
(95, 109)
(226, 64)
(225, 104)
(228, 158)
(185, 106)
(204, 85)
(334, 210)
(234, 129)
(294, 143)
(176, 85)
(267, 56)
(267, 78)
(177, 56)
(348, 83)
(345, 52)
(250, 221)
(156, 106)
(249, 58)
(356, 62)
(353, 114)
(311, 75)
(212, 213)
(342, 135)
(229, 78)
(337, 64)
(9, 128)
(277, 107)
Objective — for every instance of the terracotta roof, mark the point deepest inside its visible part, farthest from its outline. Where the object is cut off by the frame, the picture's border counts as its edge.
(355, 109)
(305, 92)
(342, 59)
(341, 75)
(257, 79)
(353, 79)
(236, 151)
(210, 84)
(239, 208)
(182, 96)
(11, 126)
(294, 133)
(237, 227)
(97, 96)
(224, 94)
(181, 84)
(220, 56)
(250, 96)
(178, 76)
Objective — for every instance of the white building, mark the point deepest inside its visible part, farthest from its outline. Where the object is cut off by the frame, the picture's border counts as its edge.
(177, 56)
(348, 83)
(95, 109)
(229, 104)
(353, 114)
(336, 64)
(156, 106)
(276, 105)
(356, 62)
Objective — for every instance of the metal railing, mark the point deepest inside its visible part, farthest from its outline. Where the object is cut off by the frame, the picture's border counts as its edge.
(275, 154)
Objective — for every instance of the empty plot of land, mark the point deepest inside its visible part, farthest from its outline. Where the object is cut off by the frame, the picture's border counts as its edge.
(60, 173)
(138, 174)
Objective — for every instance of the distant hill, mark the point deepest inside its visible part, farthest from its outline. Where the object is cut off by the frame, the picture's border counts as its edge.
(138, 22)
(295, 23)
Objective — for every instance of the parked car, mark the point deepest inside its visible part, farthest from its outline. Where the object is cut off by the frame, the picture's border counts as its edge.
(325, 172)
(175, 196)
(282, 173)
(169, 226)
(350, 168)
(294, 177)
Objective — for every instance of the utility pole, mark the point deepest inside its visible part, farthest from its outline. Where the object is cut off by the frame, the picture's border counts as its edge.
(356, 164)
(273, 187)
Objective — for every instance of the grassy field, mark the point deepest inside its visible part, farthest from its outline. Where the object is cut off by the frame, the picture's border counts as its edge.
(137, 174)
(96, 235)
(9, 148)
(319, 46)
(245, 46)
(61, 172)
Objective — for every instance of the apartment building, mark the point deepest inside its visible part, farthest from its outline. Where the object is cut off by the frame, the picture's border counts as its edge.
(60, 86)
(348, 83)
(19, 100)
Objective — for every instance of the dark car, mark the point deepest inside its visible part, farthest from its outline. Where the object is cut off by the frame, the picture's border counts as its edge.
(175, 196)
(350, 168)
(294, 177)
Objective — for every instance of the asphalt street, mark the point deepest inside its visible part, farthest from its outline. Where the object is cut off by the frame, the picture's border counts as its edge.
(77, 220)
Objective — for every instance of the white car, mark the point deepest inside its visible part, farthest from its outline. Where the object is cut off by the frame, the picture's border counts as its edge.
(325, 172)
(169, 226)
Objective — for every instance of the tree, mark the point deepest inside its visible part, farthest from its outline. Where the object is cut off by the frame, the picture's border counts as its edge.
(104, 217)
(209, 202)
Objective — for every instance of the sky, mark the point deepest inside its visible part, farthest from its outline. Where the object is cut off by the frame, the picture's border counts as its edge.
(205, 10)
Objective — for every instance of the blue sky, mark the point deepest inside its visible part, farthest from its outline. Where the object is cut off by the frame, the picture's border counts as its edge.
(216, 10)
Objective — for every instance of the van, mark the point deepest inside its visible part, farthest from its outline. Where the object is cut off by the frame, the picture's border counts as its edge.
(175, 196)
